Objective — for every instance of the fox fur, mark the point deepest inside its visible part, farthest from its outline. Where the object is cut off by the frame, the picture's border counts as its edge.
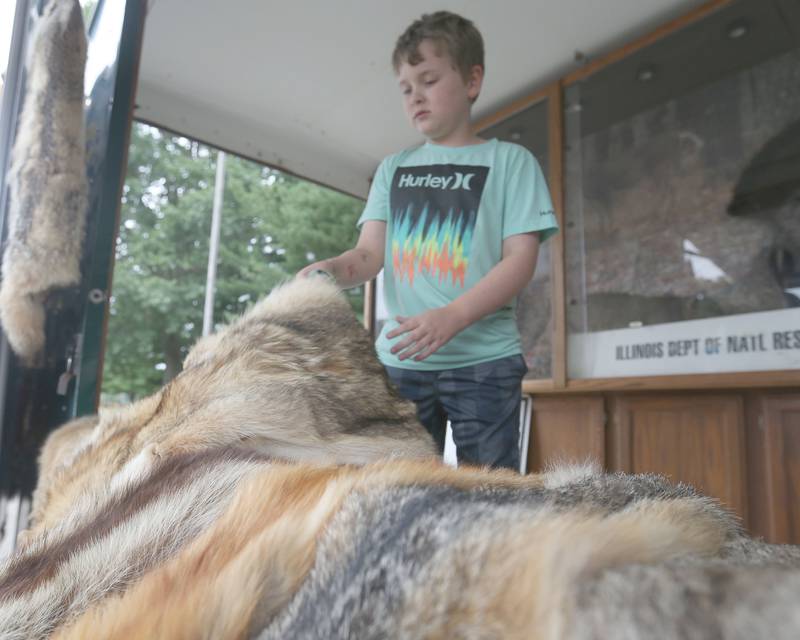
(280, 488)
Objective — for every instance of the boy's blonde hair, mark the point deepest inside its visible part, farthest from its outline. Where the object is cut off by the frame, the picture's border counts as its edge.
(459, 37)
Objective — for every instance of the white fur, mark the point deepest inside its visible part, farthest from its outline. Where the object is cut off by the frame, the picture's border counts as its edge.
(561, 474)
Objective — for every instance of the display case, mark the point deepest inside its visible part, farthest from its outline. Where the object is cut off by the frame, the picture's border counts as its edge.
(682, 186)
(529, 128)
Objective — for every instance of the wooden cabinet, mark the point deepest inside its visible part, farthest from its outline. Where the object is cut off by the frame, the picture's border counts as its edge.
(774, 469)
(739, 446)
(566, 429)
(697, 439)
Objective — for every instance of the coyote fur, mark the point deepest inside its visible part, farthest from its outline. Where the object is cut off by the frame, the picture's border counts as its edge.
(280, 488)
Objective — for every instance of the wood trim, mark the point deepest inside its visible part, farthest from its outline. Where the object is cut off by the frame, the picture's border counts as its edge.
(618, 442)
(538, 386)
(623, 435)
(662, 31)
(758, 506)
(740, 441)
(597, 432)
(552, 93)
(727, 462)
(567, 430)
(776, 495)
(776, 465)
(513, 108)
(557, 254)
(772, 466)
(370, 289)
(739, 380)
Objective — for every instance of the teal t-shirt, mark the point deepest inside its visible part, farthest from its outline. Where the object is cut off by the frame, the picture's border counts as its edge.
(447, 211)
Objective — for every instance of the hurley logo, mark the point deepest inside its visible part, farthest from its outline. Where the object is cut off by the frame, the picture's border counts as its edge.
(451, 182)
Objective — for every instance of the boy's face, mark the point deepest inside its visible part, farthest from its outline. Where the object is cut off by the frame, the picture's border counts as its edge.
(436, 98)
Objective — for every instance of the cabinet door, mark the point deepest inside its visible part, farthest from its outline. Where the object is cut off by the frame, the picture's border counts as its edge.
(697, 439)
(566, 429)
(774, 451)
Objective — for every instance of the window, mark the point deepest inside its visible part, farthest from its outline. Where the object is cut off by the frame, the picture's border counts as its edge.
(272, 225)
(534, 305)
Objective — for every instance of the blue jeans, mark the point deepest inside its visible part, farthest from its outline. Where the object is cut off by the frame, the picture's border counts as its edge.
(481, 401)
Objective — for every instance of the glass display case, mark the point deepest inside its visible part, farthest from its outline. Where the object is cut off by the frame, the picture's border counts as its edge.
(529, 128)
(682, 184)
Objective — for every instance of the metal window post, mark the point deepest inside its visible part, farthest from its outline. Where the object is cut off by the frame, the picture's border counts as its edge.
(213, 246)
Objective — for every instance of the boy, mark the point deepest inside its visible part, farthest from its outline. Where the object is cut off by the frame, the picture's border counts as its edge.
(456, 225)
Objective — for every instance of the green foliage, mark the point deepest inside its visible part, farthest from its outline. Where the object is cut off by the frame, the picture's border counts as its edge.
(88, 7)
(272, 225)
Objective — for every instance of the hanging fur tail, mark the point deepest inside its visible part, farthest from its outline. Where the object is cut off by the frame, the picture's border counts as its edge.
(47, 179)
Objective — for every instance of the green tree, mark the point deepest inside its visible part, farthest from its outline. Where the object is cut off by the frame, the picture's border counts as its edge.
(88, 7)
(273, 224)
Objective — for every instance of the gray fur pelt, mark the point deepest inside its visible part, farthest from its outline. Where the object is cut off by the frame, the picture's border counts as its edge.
(278, 487)
(731, 599)
(395, 563)
(47, 177)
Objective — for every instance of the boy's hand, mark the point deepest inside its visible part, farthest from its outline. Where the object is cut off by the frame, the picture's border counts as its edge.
(427, 332)
(322, 265)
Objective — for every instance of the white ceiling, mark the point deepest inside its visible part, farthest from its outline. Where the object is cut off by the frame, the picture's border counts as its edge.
(307, 86)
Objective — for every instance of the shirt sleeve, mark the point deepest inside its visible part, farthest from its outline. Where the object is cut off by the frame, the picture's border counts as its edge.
(377, 207)
(528, 206)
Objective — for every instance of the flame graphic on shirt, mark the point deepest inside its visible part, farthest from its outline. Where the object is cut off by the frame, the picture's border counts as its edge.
(434, 247)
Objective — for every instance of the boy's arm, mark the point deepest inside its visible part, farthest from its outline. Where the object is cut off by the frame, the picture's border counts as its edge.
(429, 331)
(358, 265)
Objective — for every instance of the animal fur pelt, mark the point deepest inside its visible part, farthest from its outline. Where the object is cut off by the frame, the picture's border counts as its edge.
(47, 179)
(279, 488)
